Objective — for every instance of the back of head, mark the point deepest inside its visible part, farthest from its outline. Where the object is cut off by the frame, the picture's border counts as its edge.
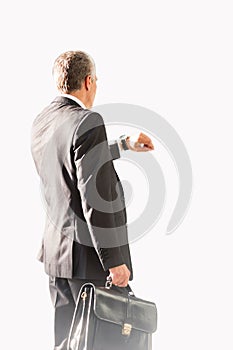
(70, 70)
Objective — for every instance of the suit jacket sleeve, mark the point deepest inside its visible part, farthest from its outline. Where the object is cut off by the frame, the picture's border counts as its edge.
(97, 182)
(114, 149)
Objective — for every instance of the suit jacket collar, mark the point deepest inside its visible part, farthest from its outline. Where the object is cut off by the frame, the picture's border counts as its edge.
(66, 101)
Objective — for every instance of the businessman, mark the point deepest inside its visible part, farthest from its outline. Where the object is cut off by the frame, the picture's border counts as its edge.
(85, 236)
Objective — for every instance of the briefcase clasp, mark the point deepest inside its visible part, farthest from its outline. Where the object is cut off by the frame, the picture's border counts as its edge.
(126, 329)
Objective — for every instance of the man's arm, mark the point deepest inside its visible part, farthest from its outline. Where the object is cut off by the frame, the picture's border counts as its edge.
(102, 206)
(114, 149)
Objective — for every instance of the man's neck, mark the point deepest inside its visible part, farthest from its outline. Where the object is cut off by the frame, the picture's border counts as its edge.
(76, 99)
(80, 94)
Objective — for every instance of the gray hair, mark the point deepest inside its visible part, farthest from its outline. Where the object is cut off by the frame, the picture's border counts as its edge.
(70, 70)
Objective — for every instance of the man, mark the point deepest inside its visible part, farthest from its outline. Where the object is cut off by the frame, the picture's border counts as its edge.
(85, 237)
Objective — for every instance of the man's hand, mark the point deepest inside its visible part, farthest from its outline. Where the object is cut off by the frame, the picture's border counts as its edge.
(120, 275)
(139, 143)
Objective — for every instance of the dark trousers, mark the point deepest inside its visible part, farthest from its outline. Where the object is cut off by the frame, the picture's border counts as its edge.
(64, 293)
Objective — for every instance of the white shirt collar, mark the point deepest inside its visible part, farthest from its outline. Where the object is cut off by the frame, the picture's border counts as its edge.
(74, 99)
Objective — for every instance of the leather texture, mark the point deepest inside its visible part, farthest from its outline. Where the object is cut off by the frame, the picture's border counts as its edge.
(101, 315)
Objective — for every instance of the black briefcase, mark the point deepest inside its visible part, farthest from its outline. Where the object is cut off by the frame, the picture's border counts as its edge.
(107, 319)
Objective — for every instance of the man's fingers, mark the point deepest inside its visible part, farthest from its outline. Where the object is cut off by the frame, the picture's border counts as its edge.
(121, 284)
(120, 275)
(146, 141)
(145, 148)
(149, 147)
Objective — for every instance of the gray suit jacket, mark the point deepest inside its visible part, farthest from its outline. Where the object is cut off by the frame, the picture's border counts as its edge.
(86, 224)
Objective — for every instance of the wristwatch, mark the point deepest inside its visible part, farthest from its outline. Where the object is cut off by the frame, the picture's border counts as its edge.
(123, 142)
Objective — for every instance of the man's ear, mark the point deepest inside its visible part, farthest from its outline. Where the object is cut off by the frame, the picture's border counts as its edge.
(87, 82)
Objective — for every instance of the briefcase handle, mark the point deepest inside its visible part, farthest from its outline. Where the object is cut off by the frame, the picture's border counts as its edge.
(108, 285)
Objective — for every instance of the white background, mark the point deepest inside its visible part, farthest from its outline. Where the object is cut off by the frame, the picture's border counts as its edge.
(175, 58)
